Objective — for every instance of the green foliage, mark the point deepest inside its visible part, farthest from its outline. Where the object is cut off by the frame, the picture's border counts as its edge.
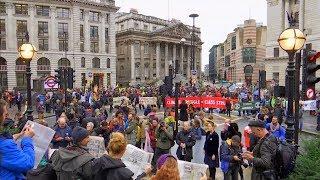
(308, 163)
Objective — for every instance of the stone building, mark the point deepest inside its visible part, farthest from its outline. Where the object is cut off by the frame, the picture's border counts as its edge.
(212, 64)
(78, 34)
(148, 47)
(240, 57)
(306, 13)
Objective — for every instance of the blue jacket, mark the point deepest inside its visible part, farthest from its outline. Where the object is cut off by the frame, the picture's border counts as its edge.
(279, 133)
(13, 160)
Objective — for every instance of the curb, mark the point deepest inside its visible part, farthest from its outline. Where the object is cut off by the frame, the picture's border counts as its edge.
(310, 133)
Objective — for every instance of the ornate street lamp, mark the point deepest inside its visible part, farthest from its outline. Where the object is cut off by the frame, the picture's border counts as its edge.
(27, 51)
(291, 40)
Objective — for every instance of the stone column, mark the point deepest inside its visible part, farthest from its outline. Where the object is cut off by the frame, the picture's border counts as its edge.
(181, 59)
(287, 9)
(11, 28)
(32, 28)
(166, 60)
(86, 31)
(188, 61)
(158, 56)
(301, 14)
(53, 30)
(102, 37)
(174, 57)
(283, 14)
(142, 61)
(132, 62)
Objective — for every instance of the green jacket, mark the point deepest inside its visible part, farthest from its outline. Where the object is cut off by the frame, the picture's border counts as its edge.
(164, 138)
(130, 132)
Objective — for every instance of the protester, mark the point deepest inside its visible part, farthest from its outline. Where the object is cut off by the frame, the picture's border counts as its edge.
(263, 153)
(211, 147)
(62, 136)
(167, 168)
(74, 162)
(15, 161)
(131, 131)
(183, 116)
(185, 140)
(110, 166)
(276, 129)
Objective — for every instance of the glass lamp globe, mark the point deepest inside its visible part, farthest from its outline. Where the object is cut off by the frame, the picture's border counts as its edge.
(291, 40)
(27, 51)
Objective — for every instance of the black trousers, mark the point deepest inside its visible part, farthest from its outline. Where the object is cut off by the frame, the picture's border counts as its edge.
(212, 171)
(158, 152)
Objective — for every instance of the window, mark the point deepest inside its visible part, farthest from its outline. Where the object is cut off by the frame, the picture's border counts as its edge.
(94, 16)
(94, 32)
(63, 30)
(83, 62)
(42, 28)
(275, 77)
(63, 12)
(136, 48)
(43, 10)
(233, 43)
(227, 61)
(3, 8)
(222, 50)
(296, 18)
(249, 55)
(2, 43)
(107, 47)
(21, 9)
(154, 28)
(145, 27)
(21, 80)
(43, 44)
(248, 70)
(136, 25)
(94, 47)
(309, 46)
(108, 63)
(108, 79)
(107, 18)
(106, 34)
(81, 31)
(146, 48)
(95, 63)
(63, 45)
(276, 52)
(21, 41)
(81, 14)
(82, 46)
(2, 27)
(21, 28)
(296, 1)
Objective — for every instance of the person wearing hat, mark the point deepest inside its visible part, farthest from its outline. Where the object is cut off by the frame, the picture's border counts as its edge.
(263, 153)
(74, 162)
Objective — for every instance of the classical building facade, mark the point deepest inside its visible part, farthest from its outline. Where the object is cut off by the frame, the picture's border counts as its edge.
(306, 13)
(78, 34)
(240, 57)
(148, 47)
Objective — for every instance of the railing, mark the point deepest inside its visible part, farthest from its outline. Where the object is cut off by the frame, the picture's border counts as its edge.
(3, 67)
(43, 68)
(21, 67)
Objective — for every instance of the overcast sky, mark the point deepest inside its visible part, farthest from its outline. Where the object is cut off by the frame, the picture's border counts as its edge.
(216, 18)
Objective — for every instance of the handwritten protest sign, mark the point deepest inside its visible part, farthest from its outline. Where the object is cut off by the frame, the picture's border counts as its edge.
(96, 146)
(148, 101)
(117, 101)
(41, 140)
(136, 159)
(191, 171)
(309, 105)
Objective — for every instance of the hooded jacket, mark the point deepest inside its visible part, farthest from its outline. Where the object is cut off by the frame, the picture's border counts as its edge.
(107, 167)
(72, 163)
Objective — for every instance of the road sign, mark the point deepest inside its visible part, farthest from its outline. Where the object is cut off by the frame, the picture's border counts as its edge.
(90, 74)
(50, 83)
(194, 72)
(310, 93)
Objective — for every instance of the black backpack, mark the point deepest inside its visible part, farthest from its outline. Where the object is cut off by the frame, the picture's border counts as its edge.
(285, 158)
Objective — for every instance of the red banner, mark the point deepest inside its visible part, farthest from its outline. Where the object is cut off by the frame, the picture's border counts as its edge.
(200, 102)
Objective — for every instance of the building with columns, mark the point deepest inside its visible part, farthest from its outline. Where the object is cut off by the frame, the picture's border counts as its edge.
(148, 47)
(306, 13)
(240, 57)
(78, 34)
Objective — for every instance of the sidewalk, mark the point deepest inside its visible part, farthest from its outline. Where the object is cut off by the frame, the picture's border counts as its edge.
(309, 123)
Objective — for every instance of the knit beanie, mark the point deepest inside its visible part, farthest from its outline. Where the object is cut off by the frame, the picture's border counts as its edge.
(162, 159)
(78, 134)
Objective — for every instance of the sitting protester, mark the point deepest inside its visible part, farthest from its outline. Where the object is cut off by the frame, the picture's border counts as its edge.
(111, 166)
(74, 162)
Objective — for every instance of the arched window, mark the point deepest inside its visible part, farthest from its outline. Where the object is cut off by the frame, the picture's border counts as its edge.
(95, 63)
(108, 63)
(83, 62)
(248, 70)
(43, 61)
(3, 61)
(63, 62)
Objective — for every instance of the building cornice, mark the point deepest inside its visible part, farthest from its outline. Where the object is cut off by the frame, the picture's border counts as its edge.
(276, 58)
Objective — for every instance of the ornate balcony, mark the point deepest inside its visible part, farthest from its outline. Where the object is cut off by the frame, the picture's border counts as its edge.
(21, 68)
(3, 68)
(43, 68)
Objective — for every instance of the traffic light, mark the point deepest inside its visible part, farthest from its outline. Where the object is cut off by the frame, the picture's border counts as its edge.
(309, 72)
(58, 76)
(70, 78)
(262, 79)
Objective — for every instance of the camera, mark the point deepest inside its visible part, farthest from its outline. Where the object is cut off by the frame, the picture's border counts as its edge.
(162, 124)
(244, 164)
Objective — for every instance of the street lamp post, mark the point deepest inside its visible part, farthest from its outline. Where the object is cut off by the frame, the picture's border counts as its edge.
(193, 16)
(291, 40)
(27, 52)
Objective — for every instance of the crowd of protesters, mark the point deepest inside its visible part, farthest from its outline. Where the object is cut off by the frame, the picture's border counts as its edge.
(92, 113)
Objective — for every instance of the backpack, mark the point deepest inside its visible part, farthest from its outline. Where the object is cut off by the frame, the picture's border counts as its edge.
(47, 172)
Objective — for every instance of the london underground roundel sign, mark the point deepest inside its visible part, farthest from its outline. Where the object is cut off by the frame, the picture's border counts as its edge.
(310, 93)
(50, 83)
